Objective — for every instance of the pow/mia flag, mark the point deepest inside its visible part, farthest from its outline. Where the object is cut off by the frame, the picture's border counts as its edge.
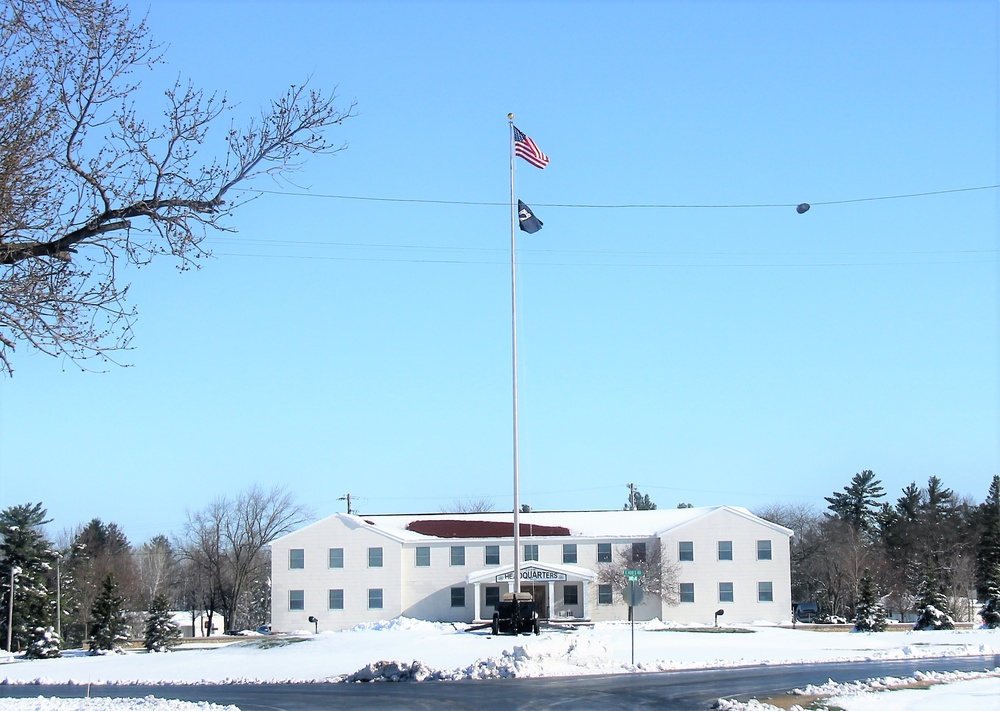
(526, 219)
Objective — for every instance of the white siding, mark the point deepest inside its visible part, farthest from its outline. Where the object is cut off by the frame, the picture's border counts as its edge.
(425, 592)
(744, 571)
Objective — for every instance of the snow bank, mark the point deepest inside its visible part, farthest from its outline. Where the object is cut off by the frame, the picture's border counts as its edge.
(969, 691)
(148, 703)
(411, 650)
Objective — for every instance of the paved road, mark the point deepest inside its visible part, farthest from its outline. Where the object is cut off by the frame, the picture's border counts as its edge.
(669, 691)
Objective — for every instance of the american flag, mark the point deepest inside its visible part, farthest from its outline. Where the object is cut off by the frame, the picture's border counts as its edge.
(526, 148)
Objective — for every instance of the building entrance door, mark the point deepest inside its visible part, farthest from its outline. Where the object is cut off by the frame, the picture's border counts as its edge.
(538, 594)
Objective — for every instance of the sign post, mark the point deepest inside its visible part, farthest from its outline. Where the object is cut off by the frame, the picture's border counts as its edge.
(633, 597)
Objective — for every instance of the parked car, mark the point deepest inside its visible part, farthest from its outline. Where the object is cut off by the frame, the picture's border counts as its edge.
(264, 629)
(807, 612)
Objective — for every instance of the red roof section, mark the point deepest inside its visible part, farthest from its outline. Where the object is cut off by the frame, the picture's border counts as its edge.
(481, 529)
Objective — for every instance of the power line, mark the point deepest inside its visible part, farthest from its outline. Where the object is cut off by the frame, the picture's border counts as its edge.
(626, 206)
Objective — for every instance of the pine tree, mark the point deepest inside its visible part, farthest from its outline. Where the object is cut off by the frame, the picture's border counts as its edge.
(870, 611)
(25, 551)
(44, 644)
(638, 501)
(991, 610)
(162, 633)
(111, 626)
(933, 612)
(858, 503)
(988, 552)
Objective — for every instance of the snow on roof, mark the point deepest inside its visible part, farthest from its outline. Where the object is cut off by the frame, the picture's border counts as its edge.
(583, 524)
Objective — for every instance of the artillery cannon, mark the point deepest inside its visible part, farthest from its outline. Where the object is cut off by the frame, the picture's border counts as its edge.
(517, 613)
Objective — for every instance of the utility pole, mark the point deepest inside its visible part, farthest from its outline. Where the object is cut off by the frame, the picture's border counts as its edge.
(631, 497)
(347, 498)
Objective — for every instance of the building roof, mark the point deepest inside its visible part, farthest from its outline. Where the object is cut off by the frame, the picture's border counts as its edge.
(582, 524)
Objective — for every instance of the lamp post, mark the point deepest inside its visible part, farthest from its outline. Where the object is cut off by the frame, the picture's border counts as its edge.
(58, 598)
(14, 570)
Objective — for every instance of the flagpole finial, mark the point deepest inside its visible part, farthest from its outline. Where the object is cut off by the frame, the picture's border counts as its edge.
(510, 116)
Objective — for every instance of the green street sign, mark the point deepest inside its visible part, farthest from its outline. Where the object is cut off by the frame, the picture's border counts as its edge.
(633, 574)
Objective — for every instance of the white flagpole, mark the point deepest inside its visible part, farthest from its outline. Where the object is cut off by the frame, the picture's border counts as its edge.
(513, 331)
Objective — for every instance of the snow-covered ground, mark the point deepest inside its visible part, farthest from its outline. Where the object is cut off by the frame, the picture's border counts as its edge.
(425, 650)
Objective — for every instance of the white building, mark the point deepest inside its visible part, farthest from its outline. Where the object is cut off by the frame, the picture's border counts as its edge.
(196, 625)
(344, 570)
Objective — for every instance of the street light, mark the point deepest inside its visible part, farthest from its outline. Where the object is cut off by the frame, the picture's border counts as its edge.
(718, 613)
(58, 598)
(14, 570)
(315, 622)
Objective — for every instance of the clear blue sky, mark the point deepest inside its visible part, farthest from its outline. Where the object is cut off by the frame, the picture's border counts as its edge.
(711, 355)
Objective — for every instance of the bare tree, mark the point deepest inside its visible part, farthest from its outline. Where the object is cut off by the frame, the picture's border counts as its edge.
(88, 185)
(659, 575)
(156, 562)
(226, 542)
(807, 546)
(481, 505)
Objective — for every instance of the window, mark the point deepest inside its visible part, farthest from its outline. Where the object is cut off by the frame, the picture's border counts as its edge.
(492, 596)
(336, 557)
(296, 600)
(458, 555)
(531, 551)
(492, 555)
(725, 592)
(569, 553)
(687, 592)
(603, 552)
(458, 597)
(423, 556)
(604, 595)
(763, 550)
(725, 550)
(375, 557)
(571, 595)
(296, 558)
(336, 599)
(638, 552)
(375, 598)
(765, 592)
(685, 551)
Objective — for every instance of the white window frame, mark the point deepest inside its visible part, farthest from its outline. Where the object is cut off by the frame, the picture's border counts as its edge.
(422, 561)
(330, 600)
(765, 591)
(729, 591)
(335, 556)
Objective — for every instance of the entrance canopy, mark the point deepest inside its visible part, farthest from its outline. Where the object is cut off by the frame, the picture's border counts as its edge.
(531, 572)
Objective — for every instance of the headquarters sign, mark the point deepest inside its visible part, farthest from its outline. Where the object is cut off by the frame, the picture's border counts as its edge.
(538, 575)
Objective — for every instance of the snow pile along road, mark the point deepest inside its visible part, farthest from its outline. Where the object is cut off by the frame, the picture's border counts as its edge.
(148, 703)
(925, 691)
(413, 650)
